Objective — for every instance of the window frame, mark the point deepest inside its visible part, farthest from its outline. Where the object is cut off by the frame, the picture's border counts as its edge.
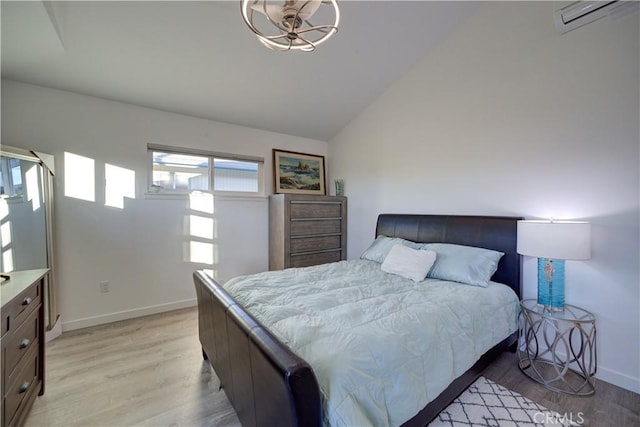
(211, 156)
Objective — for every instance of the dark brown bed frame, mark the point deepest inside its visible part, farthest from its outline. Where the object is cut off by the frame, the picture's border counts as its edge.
(269, 385)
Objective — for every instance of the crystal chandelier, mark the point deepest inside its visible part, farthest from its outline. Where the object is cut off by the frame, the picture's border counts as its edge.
(287, 26)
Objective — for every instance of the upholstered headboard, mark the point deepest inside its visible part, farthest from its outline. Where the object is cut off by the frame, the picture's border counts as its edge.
(490, 232)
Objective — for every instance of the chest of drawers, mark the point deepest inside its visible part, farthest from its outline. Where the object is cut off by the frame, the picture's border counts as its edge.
(22, 344)
(306, 230)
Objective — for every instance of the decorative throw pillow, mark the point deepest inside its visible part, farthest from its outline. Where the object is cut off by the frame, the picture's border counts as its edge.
(464, 264)
(382, 245)
(410, 263)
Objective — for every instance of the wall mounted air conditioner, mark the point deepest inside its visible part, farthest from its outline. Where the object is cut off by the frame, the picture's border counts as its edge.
(579, 13)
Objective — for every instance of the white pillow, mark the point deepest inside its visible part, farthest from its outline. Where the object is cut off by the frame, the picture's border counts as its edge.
(410, 263)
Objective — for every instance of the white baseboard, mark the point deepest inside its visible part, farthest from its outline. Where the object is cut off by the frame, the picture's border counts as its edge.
(619, 379)
(124, 315)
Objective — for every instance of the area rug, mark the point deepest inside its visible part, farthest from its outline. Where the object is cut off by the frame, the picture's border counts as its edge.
(486, 403)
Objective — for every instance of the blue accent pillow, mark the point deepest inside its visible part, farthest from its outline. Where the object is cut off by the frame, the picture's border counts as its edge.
(382, 245)
(464, 264)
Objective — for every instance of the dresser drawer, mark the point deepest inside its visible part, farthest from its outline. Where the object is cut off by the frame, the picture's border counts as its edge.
(19, 343)
(306, 229)
(316, 210)
(314, 243)
(321, 226)
(315, 258)
(19, 308)
(22, 344)
(21, 391)
(4, 322)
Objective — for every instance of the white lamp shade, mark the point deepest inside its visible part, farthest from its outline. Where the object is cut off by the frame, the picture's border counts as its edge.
(554, 239)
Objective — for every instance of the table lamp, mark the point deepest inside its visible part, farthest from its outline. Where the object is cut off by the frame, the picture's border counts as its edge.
(553, 242)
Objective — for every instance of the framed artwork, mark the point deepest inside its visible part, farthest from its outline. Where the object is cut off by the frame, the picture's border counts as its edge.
(298, 173)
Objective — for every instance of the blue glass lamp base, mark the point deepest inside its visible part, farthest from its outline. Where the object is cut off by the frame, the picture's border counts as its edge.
(551, 284)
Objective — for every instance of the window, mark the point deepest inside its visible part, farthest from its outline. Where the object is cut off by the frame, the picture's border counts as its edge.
(180, 171)
(11, 177)
(235, 175)
(174, 170)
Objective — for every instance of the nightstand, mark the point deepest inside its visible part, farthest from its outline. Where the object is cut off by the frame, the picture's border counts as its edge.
(558, 348)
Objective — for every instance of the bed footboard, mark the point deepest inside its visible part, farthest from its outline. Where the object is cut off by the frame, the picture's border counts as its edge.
(267, 384)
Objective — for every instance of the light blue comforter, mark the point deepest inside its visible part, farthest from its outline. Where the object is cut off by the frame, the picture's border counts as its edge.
(381, 346)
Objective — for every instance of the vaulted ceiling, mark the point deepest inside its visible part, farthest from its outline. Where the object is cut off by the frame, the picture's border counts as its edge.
(200, 59)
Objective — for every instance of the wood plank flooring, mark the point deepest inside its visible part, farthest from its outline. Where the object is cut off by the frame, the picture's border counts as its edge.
(611, 406)
(149, 372)
(141, 372)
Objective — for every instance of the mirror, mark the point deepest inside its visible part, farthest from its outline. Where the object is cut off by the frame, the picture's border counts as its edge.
(26, 219)
(23, 232)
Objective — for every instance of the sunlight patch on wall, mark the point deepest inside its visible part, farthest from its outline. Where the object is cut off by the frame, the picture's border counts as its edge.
(4, 208)
(5, 234)
(202, 231)
(5, 237)
(7, 260)
(33, 186)
(201, 202)
(200, 226)
(119, 183)
(79, 177)
(203, 252)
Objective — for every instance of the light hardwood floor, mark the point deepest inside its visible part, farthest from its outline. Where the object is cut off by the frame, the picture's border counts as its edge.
(149, 372)
(144, 372)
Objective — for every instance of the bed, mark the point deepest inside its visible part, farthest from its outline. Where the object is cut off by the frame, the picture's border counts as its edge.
(269, 384)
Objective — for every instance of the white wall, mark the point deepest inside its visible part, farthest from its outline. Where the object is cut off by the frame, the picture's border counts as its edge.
(142, 249)
(507, 117)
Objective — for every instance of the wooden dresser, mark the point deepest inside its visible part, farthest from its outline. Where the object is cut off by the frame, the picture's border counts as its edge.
(306, 230)
(22, 343)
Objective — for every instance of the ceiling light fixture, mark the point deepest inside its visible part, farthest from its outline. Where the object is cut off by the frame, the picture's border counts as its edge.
(286, 26)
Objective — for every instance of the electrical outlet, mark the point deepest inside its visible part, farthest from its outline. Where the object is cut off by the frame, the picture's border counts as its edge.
(104, 286)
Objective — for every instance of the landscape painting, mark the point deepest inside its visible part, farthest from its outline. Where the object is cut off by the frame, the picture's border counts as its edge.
(298, 173)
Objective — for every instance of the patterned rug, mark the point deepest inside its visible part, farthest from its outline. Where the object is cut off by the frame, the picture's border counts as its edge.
(486, 403)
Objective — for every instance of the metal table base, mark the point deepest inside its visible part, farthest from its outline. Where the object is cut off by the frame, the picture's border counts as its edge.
(558, 349)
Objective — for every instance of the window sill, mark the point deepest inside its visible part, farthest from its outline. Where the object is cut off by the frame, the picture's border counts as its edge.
(217, 196)
(165, 196)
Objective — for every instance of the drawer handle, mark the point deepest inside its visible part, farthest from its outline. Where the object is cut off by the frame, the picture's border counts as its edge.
(26, 301)
(24, 387)
(24, 344)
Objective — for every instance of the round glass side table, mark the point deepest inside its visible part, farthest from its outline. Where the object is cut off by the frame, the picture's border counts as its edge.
(558, 348)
